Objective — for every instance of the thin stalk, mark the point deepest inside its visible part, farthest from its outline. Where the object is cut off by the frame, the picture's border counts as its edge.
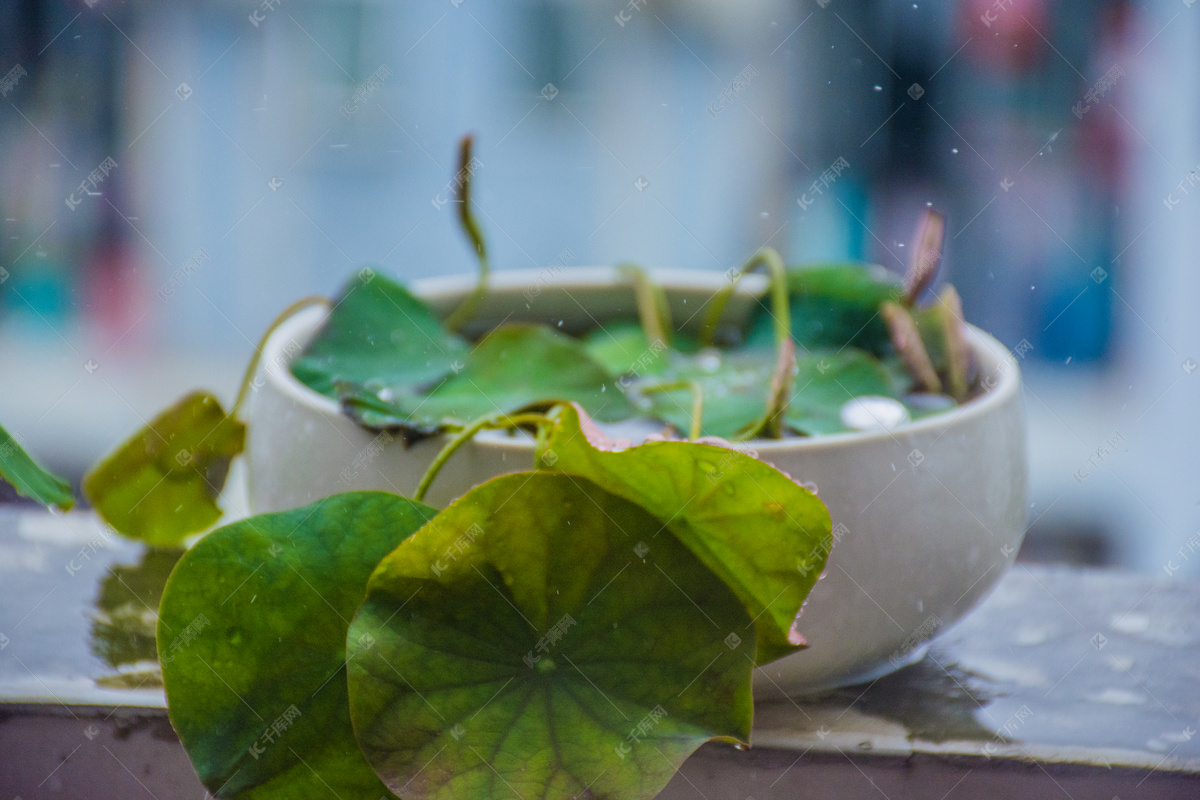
(653, 311)
(252, 367)
(490, 421)
(925, 255)
(697, 402)
(466, 168)
(773, 422)
(780, 308)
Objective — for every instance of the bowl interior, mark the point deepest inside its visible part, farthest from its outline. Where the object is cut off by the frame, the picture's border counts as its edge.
(584, 297)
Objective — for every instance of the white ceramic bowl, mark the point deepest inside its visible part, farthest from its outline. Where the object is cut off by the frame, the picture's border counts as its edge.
(927, 517)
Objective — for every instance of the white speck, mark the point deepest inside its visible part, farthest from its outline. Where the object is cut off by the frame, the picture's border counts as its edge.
(1119, 697)
(1120, 663)
(878, 88)
(1130, 623)
(764, 214)
(1028, 637)
(929, 204)
(560, 322)
(1068, 361)
(954, 150)
(873, 413)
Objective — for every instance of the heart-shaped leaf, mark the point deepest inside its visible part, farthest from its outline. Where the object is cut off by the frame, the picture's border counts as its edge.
(252, 640)
(162, 485)
(380, 335)
(514, 367)
(535, 639)
(759, 531)
(29, 478)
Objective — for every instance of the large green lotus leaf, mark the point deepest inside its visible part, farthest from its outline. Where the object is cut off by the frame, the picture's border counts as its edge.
(835, 305)
(252, 640)
(537, 640)
(763, 534)
(514, 367)
(162, 484)
(378, 334)
(29, 478)
(827, 381)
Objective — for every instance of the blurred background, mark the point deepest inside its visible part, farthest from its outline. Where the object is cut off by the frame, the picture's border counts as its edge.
(173, 175)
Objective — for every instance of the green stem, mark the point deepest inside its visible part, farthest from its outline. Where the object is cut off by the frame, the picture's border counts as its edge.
(653, 311)
(773, 423)
(697, 401)
(780, 308)
(252, 367)
(466, 309)
(497, 419)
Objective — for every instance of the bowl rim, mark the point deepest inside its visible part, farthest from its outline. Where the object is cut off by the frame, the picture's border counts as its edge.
(995, 360)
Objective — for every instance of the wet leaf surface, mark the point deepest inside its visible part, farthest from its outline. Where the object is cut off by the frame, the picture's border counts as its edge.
(378, 334)
(29, 478)
(514, 367)
(537, 638)
(252, 640)
(758, 530)
(162, 484)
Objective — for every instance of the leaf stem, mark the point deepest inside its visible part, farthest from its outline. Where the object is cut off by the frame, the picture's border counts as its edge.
(653, 311)
(466, 168)
(773, 422)
(256, 359)
(697, 402)
(780, 309)
(497, 419)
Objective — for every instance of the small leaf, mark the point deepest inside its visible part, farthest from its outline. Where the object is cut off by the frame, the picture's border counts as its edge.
(734, 385)
(380, 335)
(736, 390)
(834, 306)
(29, 478)
(162, 485)
(252, 640)
(513, 368)
(827, 381)
(763, 534)
(537, 640)
(622, 348)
